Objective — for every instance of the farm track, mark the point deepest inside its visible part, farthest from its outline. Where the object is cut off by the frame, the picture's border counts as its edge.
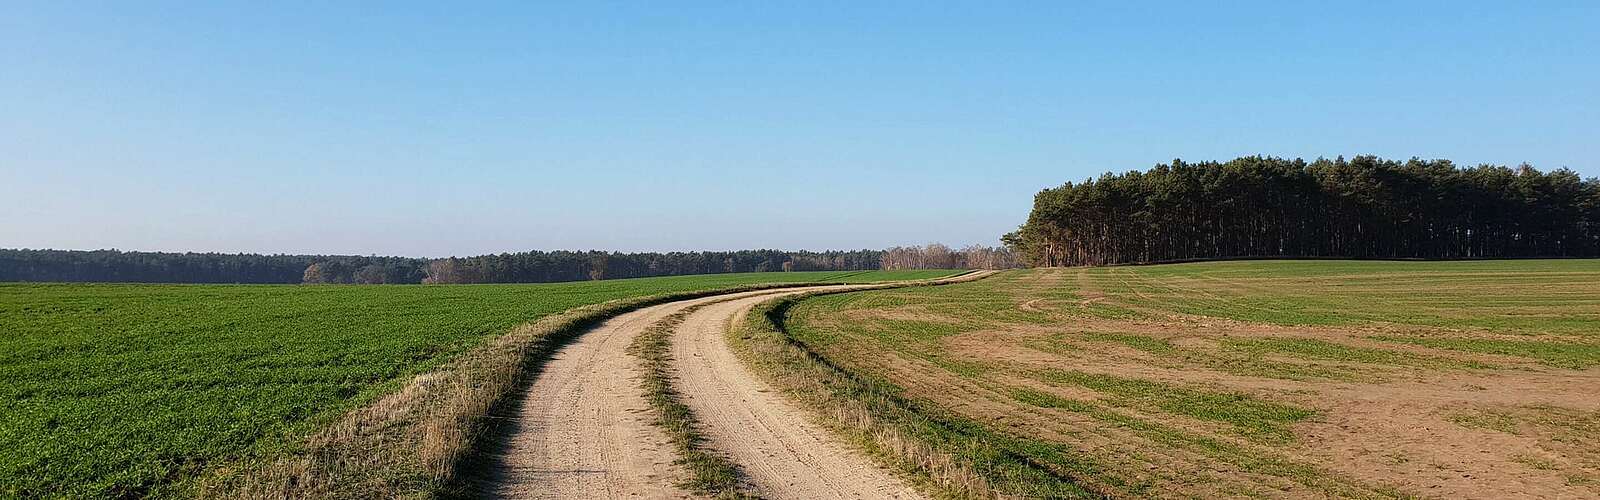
(584, 428)
(783, 453)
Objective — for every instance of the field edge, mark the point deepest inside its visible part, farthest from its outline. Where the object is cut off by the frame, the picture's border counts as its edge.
(941, 454)
(416, 441)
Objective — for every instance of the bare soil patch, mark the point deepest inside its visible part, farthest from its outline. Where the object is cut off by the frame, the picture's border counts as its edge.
(1388, 418)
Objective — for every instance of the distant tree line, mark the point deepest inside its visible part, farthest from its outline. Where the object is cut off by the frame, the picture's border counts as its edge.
(1366, 207)
(525, 267)
(938, 256)
(397, 270)
(537, 266)
(166, 267)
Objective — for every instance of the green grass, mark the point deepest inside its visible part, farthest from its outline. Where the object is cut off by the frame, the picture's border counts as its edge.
(1019, 464)
(954, 456)
(1518, 296)
(1250, 415)
(119, 390)
(1247, 361)
(1559, 354)
(1223, 451)
(1146, 343)
(1333, 351)
(710, 474)
(1490, 420)
(1148, 380)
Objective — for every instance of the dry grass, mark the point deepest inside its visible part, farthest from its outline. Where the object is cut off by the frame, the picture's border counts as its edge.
(826, 389)
(413, 442)
(1249, 379)
(710, 474)
(943, 454)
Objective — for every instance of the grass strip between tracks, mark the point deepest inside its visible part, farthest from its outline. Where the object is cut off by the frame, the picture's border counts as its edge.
(417, 441)
(710, 474)
(945, 455)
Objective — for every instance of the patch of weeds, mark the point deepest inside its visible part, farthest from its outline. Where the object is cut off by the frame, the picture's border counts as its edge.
(1567, 426)
(1534, 462)
(1046, 400)
(1486, 419)
(1054, 344)
(1333, 351)
(1242, 457)
(1557, 354)
(1397, 458)
(1238, 362)
(1106, 310)
(1266, 368)
(1251, 416)
(1152, 345)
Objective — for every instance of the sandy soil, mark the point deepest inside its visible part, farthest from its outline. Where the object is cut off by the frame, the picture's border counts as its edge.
(584, 429)
(1391, 427)
(783, 453)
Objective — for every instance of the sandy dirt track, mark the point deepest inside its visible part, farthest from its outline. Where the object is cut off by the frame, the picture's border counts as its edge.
(781, 451)
(584, 429)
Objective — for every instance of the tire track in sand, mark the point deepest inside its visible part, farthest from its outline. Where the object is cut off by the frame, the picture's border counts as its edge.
(584, 429)
(782, 452)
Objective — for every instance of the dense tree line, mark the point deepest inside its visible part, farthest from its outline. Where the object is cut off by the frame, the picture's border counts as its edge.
(525, 267)
(394, 271)
(165, 267)
(938, 256)
(535, 267)
(1362, 208)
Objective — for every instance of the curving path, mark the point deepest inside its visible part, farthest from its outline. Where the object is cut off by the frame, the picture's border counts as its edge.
(783, 453)
(584, 429)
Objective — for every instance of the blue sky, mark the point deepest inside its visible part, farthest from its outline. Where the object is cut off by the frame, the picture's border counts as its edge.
(433, 129)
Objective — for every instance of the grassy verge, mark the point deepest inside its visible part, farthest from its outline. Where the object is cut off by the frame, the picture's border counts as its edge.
(946, 454)
(413, 442)
(132, 390)
(709, 473)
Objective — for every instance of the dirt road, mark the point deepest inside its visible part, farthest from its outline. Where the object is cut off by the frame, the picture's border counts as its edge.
(584, 429)
(783, 453)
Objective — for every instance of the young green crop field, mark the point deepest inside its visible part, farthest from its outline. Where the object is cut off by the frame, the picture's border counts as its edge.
(118, 390)
(1253, 378)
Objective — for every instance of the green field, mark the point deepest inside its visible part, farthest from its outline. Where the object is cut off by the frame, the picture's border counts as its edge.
(120, 389)
(1253, 378)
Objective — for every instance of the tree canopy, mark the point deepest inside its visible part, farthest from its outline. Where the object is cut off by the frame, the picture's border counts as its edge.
(1365, 207)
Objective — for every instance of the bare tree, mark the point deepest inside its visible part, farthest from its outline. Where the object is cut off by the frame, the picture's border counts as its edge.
(370, 275)
(938, 256)
(314, 274)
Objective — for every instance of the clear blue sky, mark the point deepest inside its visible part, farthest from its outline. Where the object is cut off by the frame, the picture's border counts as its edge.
(432, 128)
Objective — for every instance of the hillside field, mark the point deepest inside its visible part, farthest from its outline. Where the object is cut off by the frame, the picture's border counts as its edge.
(118, 389)
(1249, 378)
